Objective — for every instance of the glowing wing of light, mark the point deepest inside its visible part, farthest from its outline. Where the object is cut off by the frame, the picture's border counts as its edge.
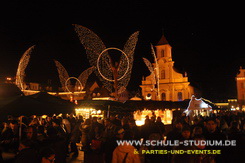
(63, 74)
(94, 46)
(157, 75)
(83, 77)
(129, 48)
(20, 74)
(149, 65)
(151, 69)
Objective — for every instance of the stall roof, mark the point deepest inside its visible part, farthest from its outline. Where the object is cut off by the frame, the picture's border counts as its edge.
(47, 98)
(152, 105)
(103, 105)
(24, 105)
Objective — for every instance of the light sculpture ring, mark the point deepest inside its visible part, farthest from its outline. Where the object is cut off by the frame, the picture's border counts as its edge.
(99, 68)
(76, 80)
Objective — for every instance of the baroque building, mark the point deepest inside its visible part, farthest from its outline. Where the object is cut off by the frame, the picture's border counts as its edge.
(240, 83)
(173, 86)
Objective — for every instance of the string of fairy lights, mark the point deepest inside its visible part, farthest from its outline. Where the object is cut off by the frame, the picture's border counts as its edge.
(154, 71)
(83, 77)
(65, 79)
(151, 69)
(63, 74)
(20, 74)
(98, 57)
(101, 63)
(129, 48)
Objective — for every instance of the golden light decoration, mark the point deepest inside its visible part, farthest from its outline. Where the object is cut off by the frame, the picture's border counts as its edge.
(65, 79)
(100, 71)
(151, 69)
(68, 81)
(154, 72)
(20, 74)
(94, 46)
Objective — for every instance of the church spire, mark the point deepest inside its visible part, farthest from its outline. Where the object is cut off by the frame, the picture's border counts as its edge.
(162, 41)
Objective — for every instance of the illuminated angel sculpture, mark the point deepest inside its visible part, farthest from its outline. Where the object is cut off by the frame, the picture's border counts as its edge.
(65, 79)
(113, 75)
(154, 72)
(20, 74)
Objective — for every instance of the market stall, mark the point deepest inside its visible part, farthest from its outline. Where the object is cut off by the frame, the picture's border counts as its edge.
(140, 116)
(100, 108)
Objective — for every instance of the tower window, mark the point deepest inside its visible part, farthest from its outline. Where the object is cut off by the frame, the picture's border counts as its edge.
(163, 74)
(179, 96)
(162, 53)
(163, 96)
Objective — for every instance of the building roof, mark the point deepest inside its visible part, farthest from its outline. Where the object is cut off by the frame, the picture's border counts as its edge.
(162, 41)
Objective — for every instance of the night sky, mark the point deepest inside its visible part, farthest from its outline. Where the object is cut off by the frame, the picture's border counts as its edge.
(207, 41)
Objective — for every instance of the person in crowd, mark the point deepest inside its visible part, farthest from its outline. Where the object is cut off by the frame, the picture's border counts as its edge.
(185, 133)
(100, 138)
(154, 137)
(195, 123)
(134, 129)
(35, 122)
(153, 118)
(56, 123)
(201, 121)
(75, 138)
(212, 133)
(111, 144)
(10, 137)
(72, 120)
(47, 155)
(125, 152)
(223, 125)
(174, 158)
(85, 128)
(235, 134)
(27, 152)
(175, 133)
(146, 129)
(95, 124)
(197, 131)
(160, 126)
(31, 133)
(109, 130)
(57, 143)
(186, 121)
(66, 125)
(48, 122)
(203, 158)
(41, 135)
(115, 120)
(124, 123)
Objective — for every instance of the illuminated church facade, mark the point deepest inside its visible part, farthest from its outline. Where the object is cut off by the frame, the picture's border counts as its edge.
(173, 86)
(240, 82)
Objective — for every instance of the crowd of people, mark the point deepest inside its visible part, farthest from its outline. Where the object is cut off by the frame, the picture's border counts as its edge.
(53, 139)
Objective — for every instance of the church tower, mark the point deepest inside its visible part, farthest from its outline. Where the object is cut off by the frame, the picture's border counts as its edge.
(173, 86)
(240, 83)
